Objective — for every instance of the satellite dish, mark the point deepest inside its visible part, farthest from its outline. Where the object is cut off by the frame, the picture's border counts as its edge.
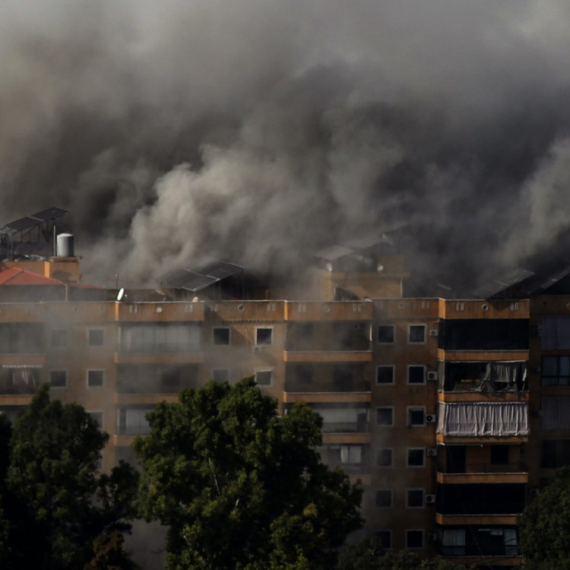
(121, 294)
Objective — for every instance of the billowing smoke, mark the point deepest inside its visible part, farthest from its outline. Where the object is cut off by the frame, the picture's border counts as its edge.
(257, 131)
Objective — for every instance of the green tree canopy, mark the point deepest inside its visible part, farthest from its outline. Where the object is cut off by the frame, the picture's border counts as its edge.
(544, 526)
(239, 486)
(54, 503)
(369, 554)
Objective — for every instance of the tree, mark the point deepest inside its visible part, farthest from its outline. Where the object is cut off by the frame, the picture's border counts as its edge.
(369, 554)
(51, 492)
(241, 487)
(544, 526)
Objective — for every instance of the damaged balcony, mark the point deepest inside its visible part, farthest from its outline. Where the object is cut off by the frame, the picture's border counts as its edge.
(327, 383)
(153, 383)
(492, 377)
(347, 341)
(160, 343)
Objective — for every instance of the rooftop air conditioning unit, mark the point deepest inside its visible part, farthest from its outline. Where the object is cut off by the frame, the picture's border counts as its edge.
(432, 452)
(431, 418)
(430, 499)
(432, 375)
(434, 332)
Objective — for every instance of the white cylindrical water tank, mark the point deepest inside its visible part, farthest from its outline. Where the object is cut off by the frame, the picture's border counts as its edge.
(65, 245)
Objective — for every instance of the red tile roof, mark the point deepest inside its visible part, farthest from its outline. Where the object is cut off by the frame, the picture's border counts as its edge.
(17, 276)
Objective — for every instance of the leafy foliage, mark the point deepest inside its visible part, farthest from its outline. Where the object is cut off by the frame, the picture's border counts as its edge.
(544, 526)
(241, 487)
(369, 554)
(50, 489)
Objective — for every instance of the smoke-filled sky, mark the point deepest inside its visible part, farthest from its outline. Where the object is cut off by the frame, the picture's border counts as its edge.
(256, 131)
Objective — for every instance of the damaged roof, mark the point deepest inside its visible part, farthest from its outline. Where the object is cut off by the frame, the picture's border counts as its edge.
(195, 280)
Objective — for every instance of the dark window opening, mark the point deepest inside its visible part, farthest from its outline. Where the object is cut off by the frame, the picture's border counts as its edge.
(221, 336)
(384, 458)
(416, 457)
(264, 336)
(386, 334)
(416, 374)
(385, 375)
(415, 498)
(417, 334)
(384, 416)
(384, 499)
(417, 416)
(96, 337)
(58, 378)
(499, 455)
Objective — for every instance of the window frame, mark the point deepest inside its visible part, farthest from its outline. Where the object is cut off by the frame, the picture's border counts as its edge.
(391, 495)
(393, 367)
(419, 530)
(423, 502)
(556, 378)
(409, 367)
(92, 330)
(381, 449)
(384, 342)
(102, 412)
(414, 342)
(264, 369)
(381, 425)
(58, 387)
(87, 371)
(410, 409)
(214, 343)
(258, 328)
(408, 450)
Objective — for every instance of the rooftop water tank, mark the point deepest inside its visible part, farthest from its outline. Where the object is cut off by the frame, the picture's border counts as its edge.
(65, 245)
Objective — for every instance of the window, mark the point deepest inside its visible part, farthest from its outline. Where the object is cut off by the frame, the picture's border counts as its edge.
(264, 336)
(133, 421)
(385, 538)
(416, 374)
(95, 337)
(386, 334)
(384, 375)
(416, 334)
(98, 417)
(384, 457)
(415, 498)
(264, 377)
(416, 457)
(95, 378)
(385, 416)
(221, 336)
(160, 337)
(416, 416)
(384, 499)
(555, 371)
(58, 378)
(221, 375)
(499, 454)
(59, 339)
(414, 539)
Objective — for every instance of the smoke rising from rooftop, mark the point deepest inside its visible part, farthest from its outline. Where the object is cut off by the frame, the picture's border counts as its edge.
(254, 131)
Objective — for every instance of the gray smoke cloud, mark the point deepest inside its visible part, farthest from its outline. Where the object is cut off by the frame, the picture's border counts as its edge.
(257, 131)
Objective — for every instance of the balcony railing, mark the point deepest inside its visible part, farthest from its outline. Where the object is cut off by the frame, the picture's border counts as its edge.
(517, 467)
(346, 427)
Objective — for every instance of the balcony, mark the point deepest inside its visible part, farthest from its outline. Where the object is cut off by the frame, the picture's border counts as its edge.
(155, 312)
(484, 473)
(331, 311)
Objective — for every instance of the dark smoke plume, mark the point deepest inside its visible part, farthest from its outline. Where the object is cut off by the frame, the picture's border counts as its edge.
(256, 131)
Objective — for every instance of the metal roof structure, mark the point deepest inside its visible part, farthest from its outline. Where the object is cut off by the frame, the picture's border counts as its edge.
(29, 230)
(197, 279)
(496, 287)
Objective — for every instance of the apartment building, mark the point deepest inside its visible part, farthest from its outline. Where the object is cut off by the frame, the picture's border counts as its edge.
(452, 413)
